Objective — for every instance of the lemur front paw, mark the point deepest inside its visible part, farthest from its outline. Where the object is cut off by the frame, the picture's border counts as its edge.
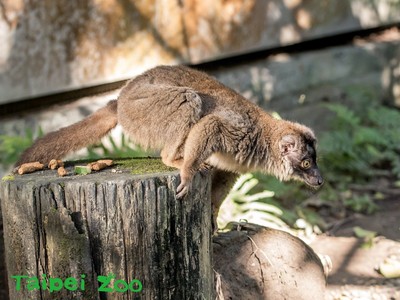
(183, 188)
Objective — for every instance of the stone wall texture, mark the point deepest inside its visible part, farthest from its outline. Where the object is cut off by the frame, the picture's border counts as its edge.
(296, 86)
(49, 46)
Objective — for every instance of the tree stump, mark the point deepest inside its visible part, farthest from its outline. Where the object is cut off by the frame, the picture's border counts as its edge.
(254, 262)
(70, 234)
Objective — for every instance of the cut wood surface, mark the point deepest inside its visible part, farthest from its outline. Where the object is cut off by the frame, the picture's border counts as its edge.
(127, 227)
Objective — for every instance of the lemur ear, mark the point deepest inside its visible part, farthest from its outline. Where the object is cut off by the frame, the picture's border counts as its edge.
(287, 144)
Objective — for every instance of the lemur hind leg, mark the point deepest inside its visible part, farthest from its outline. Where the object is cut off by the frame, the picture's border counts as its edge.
(159, 117)
(222, 183)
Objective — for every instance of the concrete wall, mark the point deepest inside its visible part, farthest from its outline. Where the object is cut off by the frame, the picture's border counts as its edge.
(55, 45)
(297, 85)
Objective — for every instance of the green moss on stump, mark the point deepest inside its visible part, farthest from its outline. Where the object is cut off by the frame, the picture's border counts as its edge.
(138, 166)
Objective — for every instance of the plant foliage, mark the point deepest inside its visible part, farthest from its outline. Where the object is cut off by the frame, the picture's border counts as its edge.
(11, 147)
(244, 202)
(361, 142)
(111, 148)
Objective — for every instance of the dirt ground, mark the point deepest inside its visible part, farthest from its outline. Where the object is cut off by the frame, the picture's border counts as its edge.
(354, 274)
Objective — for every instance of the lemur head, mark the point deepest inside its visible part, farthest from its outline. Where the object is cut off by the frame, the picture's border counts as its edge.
(298, 154)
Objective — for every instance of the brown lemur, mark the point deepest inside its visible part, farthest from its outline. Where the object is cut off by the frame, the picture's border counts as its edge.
(196, 122)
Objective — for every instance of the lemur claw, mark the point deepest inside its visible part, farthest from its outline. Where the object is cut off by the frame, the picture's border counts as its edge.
(181, 190)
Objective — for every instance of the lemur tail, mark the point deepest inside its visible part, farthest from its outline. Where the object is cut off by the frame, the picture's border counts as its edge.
(57, 144)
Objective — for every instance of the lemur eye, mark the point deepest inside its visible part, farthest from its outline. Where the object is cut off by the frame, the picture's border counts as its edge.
(305, 164)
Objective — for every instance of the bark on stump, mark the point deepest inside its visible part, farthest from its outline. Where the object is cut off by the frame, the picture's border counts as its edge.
(108, 223)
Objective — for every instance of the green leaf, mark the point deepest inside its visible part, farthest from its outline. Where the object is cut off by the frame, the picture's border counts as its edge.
(262, 207)
(8, 178)
(367, 235)
(82, 170)
(363, 233)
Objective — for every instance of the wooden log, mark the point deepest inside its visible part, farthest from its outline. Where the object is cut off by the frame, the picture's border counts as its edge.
(254, 262)
(82, 229)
